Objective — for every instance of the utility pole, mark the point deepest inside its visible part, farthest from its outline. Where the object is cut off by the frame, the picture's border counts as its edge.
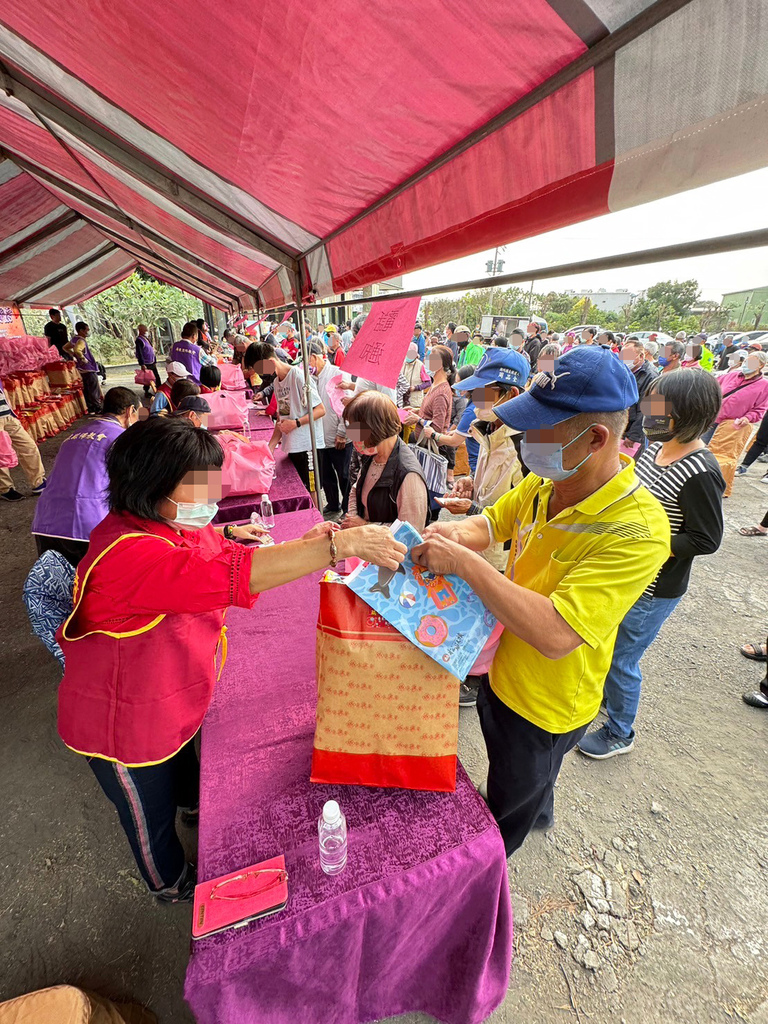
(494, 267)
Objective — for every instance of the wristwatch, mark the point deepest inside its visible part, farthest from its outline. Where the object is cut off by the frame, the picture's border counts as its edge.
(298, 424)
(228, 532)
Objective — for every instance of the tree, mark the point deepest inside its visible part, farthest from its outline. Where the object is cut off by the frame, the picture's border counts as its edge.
(675, 296)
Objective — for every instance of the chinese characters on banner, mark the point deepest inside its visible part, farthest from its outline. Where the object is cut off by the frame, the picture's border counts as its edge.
(378, 352)
(10, 321)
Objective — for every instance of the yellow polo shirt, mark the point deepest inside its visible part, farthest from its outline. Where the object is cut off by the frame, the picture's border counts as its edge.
(593, 561)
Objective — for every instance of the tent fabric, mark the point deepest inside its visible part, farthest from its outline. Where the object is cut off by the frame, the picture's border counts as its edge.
(366, 147)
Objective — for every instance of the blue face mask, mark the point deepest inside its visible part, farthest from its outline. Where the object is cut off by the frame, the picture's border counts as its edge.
(545, 459)
(663, 361)
(194, 515)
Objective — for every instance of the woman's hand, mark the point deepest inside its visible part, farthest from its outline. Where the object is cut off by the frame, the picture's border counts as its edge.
(412, 419)
(429, 433)
(373, 544)
(250, 531)
(346, 385)
(458, 506)
(321, 530)
(742, 421)
(286, 426)
(351, 522)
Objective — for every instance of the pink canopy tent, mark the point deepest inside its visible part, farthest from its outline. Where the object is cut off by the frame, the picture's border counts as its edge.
(321, 147)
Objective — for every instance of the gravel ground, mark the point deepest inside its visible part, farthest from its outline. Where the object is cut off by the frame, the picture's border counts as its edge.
(647, 902)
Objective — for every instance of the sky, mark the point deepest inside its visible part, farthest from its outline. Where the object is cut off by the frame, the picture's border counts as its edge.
(723, 208)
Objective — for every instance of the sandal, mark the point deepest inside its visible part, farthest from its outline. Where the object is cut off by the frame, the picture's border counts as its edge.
(753, 531)
(758, 652)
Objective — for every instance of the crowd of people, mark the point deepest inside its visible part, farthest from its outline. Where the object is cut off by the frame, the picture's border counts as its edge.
(568, 461)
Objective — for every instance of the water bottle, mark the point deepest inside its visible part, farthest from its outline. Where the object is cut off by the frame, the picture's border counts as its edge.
(247, 428)
(332, 829)
(267, 513)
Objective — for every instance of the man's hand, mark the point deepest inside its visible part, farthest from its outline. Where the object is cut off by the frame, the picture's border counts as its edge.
(458, 506)
(412, 420)
(462, 488)
(286, 426)
(345, 385)
(429, 433)
(341, 443)
(448, 530)
(440, 555)
(740, 422)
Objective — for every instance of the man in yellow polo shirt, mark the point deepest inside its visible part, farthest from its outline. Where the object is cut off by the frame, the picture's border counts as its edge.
(586, 540)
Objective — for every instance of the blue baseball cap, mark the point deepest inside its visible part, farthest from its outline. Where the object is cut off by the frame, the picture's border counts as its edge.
(498, 366)
(586, 379)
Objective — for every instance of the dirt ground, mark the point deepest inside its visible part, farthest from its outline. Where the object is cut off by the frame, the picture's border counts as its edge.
(668, 844)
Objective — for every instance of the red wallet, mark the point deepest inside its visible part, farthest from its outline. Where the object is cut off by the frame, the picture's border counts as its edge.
(234, 900)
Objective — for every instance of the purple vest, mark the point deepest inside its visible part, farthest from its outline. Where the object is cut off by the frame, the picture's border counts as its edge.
(188, 353)
(145, 353)
(86, 362)
(75, 497)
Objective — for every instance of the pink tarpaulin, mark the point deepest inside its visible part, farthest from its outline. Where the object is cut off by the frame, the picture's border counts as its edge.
(243, 189)
(378, 351)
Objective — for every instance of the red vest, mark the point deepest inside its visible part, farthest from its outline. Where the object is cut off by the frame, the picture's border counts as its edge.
(139, 691)
(166, 390)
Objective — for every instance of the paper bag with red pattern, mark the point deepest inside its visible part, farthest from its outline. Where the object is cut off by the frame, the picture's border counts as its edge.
(387, 714)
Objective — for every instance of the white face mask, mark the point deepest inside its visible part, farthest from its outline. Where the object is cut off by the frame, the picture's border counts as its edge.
(485, 414)
(193, 515)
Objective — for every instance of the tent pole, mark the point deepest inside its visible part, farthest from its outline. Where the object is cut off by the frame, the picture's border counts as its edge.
(307, 397)
(677, 251)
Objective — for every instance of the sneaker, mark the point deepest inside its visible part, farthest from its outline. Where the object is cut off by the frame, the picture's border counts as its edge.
(183, 891)
(40, 488)
(764, 479)
(12, 495)
(756, 699)
(741, 470)
(601, 743)
(468, 694)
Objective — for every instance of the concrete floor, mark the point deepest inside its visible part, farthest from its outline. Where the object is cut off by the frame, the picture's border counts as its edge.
(687, 811)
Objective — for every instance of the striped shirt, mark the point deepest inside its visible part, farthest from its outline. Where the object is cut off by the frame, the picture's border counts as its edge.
(690, 492)
(5, 409)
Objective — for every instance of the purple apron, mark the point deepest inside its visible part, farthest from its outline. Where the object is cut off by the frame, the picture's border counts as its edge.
(188, 353)
(75, 497)
(145, 353)
(85, 363)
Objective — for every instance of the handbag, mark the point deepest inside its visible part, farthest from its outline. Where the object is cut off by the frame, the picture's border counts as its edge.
(232, 378)
(249, 466)
(143, 377)
(433, 464)
(229, 410)
(8, 456)
(387, 713)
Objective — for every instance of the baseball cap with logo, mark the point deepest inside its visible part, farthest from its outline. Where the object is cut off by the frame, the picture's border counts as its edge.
(586, 379)
(498, 366)
(178, 369)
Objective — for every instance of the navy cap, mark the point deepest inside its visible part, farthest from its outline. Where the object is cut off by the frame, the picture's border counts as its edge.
(586, 379)
(498, 366)
(193, 403)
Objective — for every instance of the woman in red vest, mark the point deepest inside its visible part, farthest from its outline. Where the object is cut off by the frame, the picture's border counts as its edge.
(142, 641)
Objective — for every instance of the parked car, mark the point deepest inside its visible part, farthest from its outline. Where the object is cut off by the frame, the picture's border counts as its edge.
(659, 336)
(577, 330)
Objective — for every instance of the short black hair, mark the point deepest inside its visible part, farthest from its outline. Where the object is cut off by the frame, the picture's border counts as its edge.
(694, 398)
(117, 400)
(210, 377)
(54, 312)
(149, 460)
(501, 342)
(80, 325)
(258, 352)
(467, 370)
(450, 326)
(190, 329)
(183, 388)
(591, 330)
(610, 336)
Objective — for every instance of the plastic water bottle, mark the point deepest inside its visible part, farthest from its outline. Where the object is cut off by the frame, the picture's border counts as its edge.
(247, 428)
(267, 513)
(332, 829)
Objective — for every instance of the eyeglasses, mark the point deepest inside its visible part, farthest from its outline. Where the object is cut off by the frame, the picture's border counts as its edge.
(280, 878)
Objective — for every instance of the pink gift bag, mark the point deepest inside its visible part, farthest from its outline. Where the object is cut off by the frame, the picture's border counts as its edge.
(336, 395)
(229, 410)
(8, 456)
(143, 377)
(232, 378)
(249, 466)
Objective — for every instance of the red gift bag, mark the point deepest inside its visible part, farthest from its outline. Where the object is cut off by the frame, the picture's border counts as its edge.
(387, 714)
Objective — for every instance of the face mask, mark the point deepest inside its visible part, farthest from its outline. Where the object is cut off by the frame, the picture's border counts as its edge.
(663, 361)
(267, 379)
(546, 459)
(312, 371)
(193, 515)
(361, 449)
(656, 428)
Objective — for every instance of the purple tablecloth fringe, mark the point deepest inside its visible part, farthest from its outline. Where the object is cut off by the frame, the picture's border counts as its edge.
(419, 920)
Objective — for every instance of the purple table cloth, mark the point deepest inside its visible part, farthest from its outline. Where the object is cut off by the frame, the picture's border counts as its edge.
(419, 920)
(259, 422)
(287, 494)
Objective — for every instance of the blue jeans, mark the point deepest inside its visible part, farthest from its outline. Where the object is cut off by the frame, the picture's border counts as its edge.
(637, 632)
